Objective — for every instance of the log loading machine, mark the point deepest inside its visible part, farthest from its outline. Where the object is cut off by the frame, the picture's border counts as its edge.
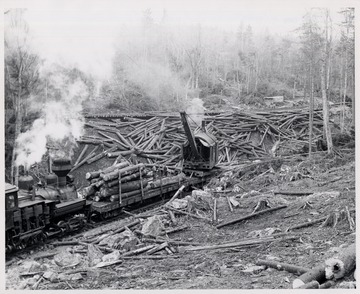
(201, 151)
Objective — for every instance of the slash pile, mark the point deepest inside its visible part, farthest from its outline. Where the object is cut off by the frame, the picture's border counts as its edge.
(156, 138)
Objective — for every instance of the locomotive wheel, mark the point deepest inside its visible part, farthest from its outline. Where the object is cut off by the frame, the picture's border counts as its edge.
(64, 226)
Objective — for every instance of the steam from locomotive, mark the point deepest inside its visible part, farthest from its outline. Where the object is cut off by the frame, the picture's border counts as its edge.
(59, 125)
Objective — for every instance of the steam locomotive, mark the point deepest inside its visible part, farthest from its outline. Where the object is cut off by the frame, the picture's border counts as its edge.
(37, 212)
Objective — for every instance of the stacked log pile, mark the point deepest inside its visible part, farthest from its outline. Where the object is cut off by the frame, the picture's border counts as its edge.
(157, 138)
(124, 180)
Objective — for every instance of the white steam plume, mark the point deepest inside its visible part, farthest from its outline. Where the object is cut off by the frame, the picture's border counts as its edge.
(196, 111)
(60, 124)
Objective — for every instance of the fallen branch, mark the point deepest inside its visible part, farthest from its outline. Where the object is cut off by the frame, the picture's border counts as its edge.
(298, 270)
(174, 230)
(307, 224)
(243, 243)
(250, 216)
(294, 193)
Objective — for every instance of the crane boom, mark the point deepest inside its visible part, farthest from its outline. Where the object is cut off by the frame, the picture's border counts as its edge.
(189, 134)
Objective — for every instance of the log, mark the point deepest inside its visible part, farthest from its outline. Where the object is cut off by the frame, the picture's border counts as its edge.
(315, 274)
(149, 257)
(122, 153)
(167, 181)
(115, 197)
(294, 193)
(172, 217)
(81, 154)
(229, 203)
(132, 177)
(139, 250)
(119, 165)
(174, 230)
(310, 285)
(327, 284)
(250, 216)
(215, 210)
(125, 187)
(173, 242)
(339, 266)
(85, 159)
(158, 248)
(124, 172)
(175, 195)
(298, 270)
(243, 243)
(100, 155)
(307, 224)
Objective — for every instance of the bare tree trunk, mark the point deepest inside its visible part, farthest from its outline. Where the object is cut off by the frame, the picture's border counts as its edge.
(342, 123)
(325, 109)
(353, 98)
(18, 122)
(294, 89)
(325, 59)
(311, 110)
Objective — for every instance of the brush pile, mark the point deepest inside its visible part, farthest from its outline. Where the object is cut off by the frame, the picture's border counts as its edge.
(156, 138)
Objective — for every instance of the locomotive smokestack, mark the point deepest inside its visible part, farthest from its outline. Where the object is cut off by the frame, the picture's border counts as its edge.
(61, 167)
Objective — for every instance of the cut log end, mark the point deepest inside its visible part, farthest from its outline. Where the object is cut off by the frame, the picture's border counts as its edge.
(334, 268)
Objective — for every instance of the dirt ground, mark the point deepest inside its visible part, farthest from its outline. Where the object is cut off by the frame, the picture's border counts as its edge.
(331, 180)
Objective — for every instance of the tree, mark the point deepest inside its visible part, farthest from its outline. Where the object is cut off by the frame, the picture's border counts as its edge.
(347, 48)
(21, 75)
(324, 64)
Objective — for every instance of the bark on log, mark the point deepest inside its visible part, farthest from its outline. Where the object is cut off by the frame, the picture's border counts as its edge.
(315, 274)
(124, 172)
(250, 216)
(166, 181)
(132, 177)
(96, 174)
(85, 159)
(125, 187)
(100, 155)
(339, 266)
(81, 154)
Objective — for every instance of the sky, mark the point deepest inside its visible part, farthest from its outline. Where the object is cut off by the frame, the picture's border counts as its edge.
(84, 31)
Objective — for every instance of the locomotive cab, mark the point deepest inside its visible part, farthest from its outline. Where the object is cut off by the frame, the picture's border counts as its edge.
(11, 204)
